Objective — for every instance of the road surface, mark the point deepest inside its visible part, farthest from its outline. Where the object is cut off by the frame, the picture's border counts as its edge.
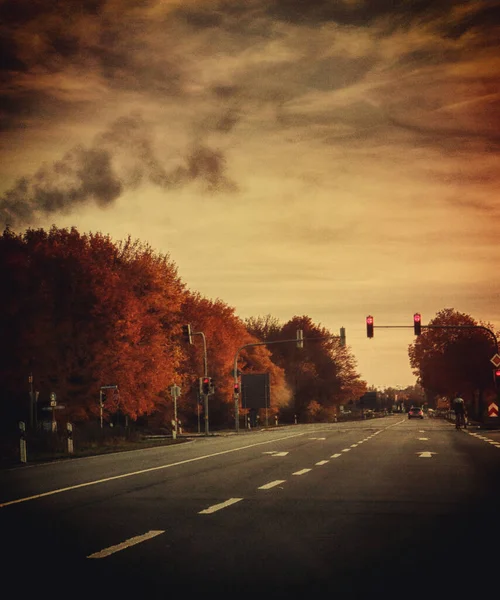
(389, 506)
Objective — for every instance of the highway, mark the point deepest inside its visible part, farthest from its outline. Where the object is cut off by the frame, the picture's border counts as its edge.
(384, 506)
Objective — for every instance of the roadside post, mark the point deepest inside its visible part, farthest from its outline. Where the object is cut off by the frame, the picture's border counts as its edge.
(69, 428)
(175, 392)
(22, 442)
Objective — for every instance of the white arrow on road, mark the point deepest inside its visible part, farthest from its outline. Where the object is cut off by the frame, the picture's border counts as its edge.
(425, 454)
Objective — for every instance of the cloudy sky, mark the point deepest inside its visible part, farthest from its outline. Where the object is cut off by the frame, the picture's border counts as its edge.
(330, 158)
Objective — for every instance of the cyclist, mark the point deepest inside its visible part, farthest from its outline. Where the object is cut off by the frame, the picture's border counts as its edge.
(460, 412)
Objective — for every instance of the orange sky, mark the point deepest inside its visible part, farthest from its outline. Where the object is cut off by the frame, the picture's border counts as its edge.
(330, 159)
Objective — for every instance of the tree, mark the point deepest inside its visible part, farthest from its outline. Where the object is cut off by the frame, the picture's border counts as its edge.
(80, 312)
(454, 357)
(322, 373)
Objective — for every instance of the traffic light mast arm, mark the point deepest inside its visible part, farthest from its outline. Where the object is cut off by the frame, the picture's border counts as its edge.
(465, 327)
(235, 370)
(205, 365)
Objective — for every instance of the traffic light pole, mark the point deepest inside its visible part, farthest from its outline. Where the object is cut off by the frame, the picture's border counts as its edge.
(296, 340)
(205, 374)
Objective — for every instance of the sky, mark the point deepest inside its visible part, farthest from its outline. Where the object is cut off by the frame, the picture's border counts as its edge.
(334, 159)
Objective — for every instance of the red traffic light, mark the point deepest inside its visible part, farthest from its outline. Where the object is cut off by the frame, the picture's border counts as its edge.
(236, 388)
(497, 373)
(417, 323)
(369, 326)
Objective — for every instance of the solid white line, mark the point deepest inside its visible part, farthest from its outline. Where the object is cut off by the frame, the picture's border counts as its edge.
(216, 507)
(321, 462)
(335, 455)
(272, 484)
(302, 472)
(126, 544)
(150, 470)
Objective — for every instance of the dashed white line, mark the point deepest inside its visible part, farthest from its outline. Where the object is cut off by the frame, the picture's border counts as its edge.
(353, 445)
(321, 462)
(302, 472)
(335, 455)
(346, 450)
(216, 507)
(271, 484)
(126, 544)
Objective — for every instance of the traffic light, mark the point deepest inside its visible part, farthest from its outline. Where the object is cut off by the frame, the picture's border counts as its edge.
(342, 336)
(369, 326)
(417, 323)
(206, 385)
(236, 389)
(186, 333)
(496, 374)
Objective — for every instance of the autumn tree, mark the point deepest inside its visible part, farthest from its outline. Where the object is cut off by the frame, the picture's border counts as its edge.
(82, 311)
(453, 356)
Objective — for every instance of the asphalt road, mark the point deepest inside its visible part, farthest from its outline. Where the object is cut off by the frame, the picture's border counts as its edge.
(390, 506)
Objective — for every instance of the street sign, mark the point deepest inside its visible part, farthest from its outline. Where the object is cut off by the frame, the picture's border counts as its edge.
(493, 410)
(53, 407)
(495, 360)
(52, 396)
(175, 390)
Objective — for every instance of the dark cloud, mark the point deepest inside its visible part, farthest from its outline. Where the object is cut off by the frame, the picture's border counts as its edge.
(485, 18)
(98, 174)
(344, 12)
(81, 175)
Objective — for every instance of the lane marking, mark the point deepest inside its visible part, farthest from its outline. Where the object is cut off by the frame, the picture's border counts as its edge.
(425, 454)
(142, 471)
(353, 445)
(317, 438)
(126, 544)
(322, 462)
(276, 453)
(302, 472)
(346, 450)
(335, 455)
(216, 507)
(423, 439)
(272, 484)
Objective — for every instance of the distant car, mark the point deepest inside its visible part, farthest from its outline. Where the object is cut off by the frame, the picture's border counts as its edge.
(416, 412)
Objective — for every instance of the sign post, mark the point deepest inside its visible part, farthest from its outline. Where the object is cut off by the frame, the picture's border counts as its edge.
(53, 407)
(104, 387)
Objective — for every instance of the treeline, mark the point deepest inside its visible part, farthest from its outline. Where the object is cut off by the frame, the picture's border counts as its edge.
(79, 311)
